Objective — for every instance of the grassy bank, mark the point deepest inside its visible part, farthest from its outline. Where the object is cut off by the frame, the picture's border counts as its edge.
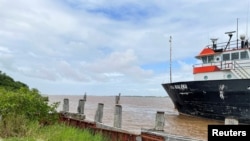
(57, 132)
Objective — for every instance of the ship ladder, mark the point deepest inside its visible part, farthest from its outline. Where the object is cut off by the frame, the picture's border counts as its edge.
(239, 71)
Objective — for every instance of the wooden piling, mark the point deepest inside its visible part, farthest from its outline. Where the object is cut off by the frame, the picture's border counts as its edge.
(118, 116)
(85, 96)
(99, 113)
(80, 109)
(117, 99)
(66, 105)
(160, 121)
(81, 105)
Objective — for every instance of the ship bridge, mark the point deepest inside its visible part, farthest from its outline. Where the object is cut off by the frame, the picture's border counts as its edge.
(226, 60)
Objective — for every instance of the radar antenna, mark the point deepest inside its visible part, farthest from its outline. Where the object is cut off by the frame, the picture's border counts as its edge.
(230, 34)
(214, 41)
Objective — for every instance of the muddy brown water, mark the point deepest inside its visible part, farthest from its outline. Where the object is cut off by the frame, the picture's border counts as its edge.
(140, 112)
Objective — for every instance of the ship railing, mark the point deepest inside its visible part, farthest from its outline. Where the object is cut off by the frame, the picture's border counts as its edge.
(228, 45)
(240, 68)
(226, 65)
(220, 65)
(232, 64)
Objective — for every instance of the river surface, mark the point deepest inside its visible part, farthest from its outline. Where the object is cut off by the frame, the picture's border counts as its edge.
(138, 113)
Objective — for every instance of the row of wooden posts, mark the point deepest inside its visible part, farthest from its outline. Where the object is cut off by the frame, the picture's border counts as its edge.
(159, 119)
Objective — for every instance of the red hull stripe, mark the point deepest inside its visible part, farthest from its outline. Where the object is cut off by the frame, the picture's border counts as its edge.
(205, 69)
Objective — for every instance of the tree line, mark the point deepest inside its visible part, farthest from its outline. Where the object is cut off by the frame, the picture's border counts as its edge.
(9, 83)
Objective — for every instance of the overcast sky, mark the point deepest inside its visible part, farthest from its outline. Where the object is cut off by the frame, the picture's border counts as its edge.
(107, 47)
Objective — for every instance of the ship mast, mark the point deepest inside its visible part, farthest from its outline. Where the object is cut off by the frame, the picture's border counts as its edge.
(170, 64)
(237, 40)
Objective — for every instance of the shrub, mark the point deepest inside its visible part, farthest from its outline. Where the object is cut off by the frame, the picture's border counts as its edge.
(19, 107)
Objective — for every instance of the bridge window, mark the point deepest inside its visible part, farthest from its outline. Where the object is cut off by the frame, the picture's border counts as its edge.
(210, 59)
(235, 56)
(244, 55)
(204, 59)
(226, 57)
(207, 59)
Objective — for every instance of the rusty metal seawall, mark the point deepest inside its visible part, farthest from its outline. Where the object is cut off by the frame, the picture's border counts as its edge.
(117, 134)
(114, 134)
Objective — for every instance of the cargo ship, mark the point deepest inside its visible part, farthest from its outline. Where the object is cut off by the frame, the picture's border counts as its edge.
(221, 85)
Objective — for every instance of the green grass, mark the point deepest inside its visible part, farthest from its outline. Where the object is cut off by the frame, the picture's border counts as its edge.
(57, 132)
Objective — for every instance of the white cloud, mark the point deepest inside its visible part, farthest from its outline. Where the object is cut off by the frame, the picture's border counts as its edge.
(102, 47)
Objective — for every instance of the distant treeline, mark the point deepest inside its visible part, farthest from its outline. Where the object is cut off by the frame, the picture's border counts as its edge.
(9, 83)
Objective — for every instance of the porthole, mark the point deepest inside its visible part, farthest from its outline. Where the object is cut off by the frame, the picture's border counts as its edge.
(229, 76)
(217, 58)
(205, 77)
